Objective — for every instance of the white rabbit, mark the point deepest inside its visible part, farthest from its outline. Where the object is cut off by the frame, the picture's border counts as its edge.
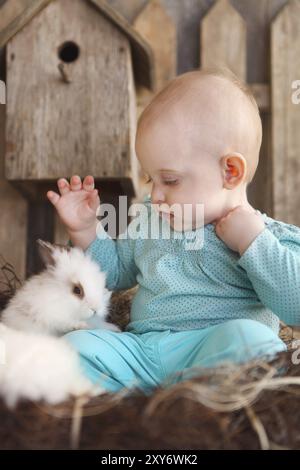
(39, 367)
(69, 294)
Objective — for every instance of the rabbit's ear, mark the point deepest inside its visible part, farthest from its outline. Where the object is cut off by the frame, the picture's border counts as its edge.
(46, 252)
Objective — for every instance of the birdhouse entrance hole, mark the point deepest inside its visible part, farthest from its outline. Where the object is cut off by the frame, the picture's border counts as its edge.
(68, 51)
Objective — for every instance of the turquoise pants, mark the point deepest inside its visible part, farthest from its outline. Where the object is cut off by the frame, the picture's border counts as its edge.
(117, 360)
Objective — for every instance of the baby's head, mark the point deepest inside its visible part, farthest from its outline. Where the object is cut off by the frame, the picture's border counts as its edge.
(199, 140)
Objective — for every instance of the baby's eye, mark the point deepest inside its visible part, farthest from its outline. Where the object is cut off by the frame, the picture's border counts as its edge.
(167, 182)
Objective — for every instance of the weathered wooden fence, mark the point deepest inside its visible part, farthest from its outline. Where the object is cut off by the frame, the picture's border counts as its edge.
(260, 42)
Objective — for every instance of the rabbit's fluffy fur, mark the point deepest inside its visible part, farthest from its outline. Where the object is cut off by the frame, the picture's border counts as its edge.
(46, 302)
(39, 368)
(35, 365)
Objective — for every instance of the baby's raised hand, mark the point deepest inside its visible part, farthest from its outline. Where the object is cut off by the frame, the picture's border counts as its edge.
(77, 203)
(239, 228)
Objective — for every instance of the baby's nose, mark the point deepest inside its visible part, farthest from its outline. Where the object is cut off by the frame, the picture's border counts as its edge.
(157, 196)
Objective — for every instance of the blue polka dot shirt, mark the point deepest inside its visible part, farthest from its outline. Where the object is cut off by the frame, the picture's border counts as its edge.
(196, 281)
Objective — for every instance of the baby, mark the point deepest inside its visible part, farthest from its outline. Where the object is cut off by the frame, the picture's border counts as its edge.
(198, 141)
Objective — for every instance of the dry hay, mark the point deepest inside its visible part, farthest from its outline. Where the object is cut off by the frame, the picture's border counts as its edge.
(252, 406)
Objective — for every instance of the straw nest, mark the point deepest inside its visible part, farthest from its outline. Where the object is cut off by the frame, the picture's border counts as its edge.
(252, 406)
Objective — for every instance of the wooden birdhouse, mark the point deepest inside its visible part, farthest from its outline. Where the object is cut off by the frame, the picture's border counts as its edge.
(71, 71)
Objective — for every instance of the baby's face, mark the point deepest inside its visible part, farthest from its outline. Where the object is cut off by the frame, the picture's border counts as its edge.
(178, 178)
(180, 149)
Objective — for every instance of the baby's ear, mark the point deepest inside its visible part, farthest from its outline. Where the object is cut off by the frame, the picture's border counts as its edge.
(46, 250)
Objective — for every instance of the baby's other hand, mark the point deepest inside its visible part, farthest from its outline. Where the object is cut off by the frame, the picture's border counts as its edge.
(239, 228)
(77, 203)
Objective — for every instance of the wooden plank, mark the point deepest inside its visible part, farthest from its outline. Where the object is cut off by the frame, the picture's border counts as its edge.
(128, 9)
(13, 210)
(260, 189)
(15, 14)
(40, 225)
(261, 92)
(129, 184)
(223, 38)
(133, 167)
(158, 29)
(13, 228)
(9, 10)
(285, 66)
(56, 129)
(258, 14)
(142, 57)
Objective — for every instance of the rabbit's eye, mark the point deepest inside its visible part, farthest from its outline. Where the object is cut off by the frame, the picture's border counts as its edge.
(78, 290)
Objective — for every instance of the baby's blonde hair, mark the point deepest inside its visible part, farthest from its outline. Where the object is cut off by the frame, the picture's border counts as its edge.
(169, 94)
